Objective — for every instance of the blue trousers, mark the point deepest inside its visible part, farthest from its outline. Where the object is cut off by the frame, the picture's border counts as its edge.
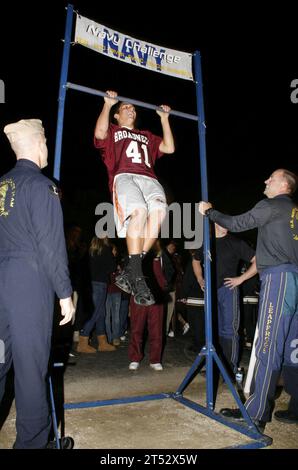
(26, 315)
(277, 341)
(228, 324)
(99, 294)
(113, 302)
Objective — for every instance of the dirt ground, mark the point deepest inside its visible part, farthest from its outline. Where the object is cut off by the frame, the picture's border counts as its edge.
(154, 424)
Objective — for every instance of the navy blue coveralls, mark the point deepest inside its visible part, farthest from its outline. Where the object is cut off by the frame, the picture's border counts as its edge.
(33, 265)
(277, 262)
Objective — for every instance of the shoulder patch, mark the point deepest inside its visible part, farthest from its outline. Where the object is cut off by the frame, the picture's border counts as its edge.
(294, 223)
(7, 196)
(53, 189)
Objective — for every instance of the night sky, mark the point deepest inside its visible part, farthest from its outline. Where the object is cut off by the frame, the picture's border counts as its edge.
(249, 59)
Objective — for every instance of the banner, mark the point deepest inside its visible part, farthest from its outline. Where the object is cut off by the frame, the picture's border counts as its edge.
(132, 51)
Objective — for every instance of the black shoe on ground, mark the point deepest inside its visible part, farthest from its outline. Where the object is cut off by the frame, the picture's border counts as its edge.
(286, 416)
(141, 292)
(123, 281)
(236, 415)
(232, 413)
(260, 425)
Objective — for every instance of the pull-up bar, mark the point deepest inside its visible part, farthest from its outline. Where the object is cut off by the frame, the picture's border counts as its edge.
(142, 104)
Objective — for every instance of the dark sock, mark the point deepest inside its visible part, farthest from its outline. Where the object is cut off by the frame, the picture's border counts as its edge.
(135, 264)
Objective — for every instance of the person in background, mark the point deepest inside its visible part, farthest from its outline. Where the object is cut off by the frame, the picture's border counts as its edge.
(250, 293)
(102, 264)
(113, 303)
(124, 314)
(229, 252)
(152, 316)
(76, 251)
(124, 305)
(174, 281)
(192, 296)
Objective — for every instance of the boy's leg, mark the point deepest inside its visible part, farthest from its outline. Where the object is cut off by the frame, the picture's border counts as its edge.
(152, 227)
(131, 212)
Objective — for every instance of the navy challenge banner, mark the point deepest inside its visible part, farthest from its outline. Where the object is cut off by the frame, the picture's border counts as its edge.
(133, 51)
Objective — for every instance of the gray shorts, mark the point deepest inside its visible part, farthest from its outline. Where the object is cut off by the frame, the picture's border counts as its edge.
(131, 192)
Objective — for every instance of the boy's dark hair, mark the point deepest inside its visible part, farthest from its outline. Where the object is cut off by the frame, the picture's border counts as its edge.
(115, 110)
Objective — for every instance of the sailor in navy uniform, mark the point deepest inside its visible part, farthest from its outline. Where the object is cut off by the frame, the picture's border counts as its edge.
(33, 265)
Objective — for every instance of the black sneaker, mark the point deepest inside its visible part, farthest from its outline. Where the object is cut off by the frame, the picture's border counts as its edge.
(236, 415)
(123, 281)
(141, 292)
(233, 413)
(260, 425)
(286, 416)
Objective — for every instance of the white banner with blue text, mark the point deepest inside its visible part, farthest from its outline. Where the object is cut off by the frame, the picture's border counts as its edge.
(132, 51)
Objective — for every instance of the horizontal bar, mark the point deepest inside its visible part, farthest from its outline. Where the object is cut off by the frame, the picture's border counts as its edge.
(142, 104)
(115, 401)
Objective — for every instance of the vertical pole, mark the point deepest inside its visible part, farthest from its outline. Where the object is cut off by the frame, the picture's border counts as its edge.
(54, 417)
(207, 266)
(62, 91)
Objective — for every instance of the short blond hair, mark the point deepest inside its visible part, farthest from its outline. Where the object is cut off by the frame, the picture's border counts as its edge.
(291, 179)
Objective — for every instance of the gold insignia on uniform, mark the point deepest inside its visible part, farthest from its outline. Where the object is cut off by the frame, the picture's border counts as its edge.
(294, 223)
(54, 189)
(7, 196)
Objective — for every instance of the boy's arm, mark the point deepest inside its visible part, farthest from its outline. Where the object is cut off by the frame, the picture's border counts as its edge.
(167, 144)
(102, 123)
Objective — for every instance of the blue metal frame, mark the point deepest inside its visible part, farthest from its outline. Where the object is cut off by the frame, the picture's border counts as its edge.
(62, 91)
(208, 352)
(206, 232)
(257, 441)
(116, 401)
(54, 417)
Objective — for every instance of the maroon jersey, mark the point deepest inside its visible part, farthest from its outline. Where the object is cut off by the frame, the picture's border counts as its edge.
(129, 151)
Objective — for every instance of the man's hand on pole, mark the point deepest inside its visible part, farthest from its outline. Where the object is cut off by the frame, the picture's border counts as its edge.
(203, 206)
